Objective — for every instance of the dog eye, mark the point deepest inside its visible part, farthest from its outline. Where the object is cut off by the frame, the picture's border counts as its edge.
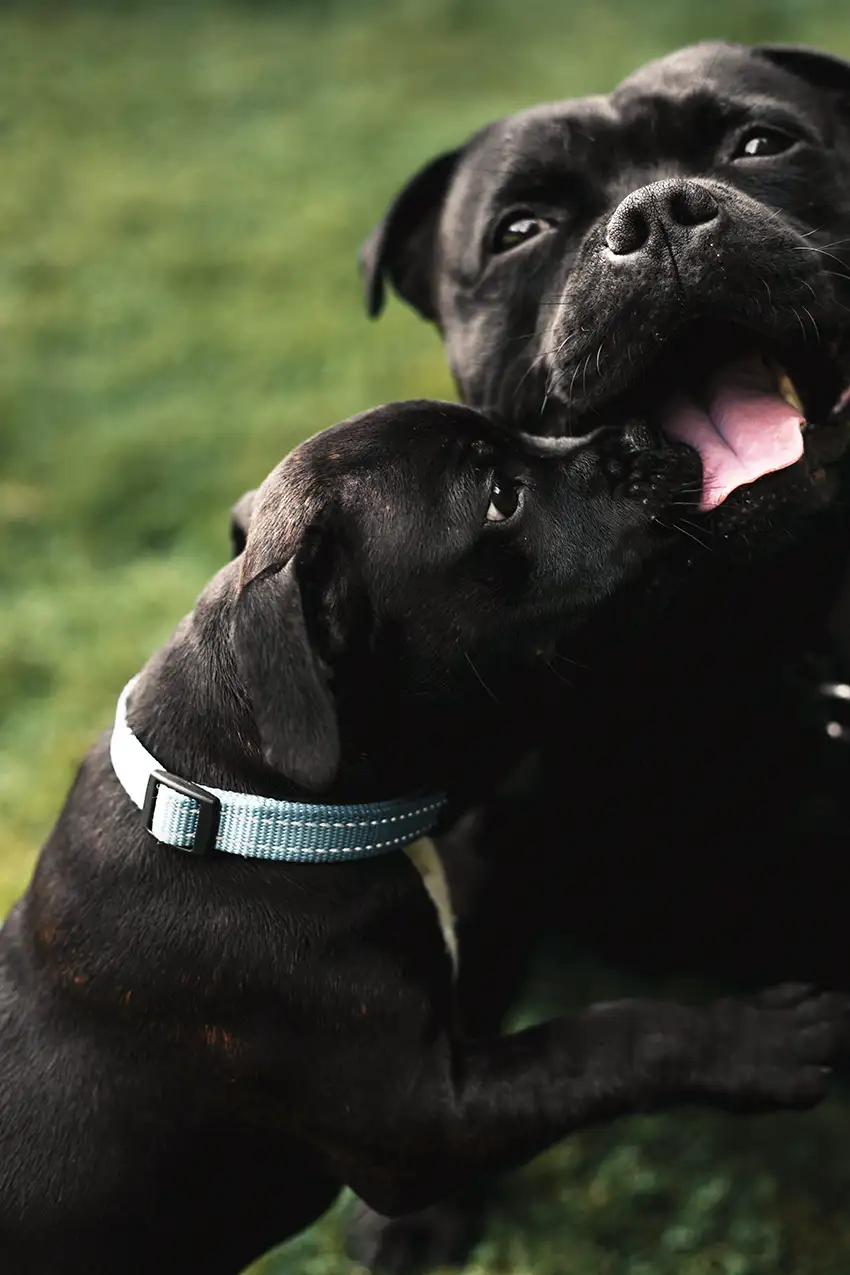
(516, 229)
(504, 500)
(761, 142)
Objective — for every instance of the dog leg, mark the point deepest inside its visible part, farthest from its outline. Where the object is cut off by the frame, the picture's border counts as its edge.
(432, 1239)
(496, 907)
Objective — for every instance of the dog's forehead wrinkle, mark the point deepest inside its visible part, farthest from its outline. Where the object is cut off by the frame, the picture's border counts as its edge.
(507, 153)
(732, 72)
(706, 61)
(537, 139)
(578, 115)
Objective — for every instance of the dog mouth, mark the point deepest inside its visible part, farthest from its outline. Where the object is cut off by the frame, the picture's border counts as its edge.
(747, 406)
(746, 420)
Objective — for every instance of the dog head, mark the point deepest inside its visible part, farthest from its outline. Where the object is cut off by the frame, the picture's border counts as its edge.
(673, 258)
(396, 570)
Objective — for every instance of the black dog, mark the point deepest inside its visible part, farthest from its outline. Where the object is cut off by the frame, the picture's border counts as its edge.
(609, 255)
(199, 1049)
(675, 258)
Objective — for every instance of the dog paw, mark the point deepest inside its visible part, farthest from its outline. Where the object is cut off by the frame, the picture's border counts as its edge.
(776, 1051)
(437, 1238)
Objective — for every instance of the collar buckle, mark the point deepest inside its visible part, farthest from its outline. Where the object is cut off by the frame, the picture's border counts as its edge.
(208, 811)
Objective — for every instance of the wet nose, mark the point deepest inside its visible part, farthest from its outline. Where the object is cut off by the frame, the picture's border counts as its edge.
(671, 210)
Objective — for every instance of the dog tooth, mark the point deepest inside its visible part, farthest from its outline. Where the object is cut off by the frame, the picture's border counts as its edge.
(788, 391)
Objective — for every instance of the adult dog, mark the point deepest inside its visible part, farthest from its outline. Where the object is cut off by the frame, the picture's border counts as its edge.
(197, 1049)
(673, 259)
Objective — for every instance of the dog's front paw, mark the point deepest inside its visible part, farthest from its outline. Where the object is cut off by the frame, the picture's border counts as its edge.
(776, 1051)
(434, 1239)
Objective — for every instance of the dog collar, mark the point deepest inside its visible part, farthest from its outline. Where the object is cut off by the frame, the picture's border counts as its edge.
(203, 820)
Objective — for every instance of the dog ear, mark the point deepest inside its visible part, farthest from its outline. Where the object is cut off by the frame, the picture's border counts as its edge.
(402, 247)
(823, 70)
(278, 659)
(240, 519)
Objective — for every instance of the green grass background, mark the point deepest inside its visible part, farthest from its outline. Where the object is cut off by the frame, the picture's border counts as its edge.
(184, 188)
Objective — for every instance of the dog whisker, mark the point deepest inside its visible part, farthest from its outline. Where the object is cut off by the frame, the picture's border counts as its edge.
(837, 274)
(821, 252)
(674, 526)
(559, 655)
(572, 383)
(796, 315)
(560, 677)
(468, 659)
(584, 374)
(805, 284)
(812, 320)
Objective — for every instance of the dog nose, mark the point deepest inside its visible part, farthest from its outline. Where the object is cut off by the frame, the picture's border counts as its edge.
(663, 209)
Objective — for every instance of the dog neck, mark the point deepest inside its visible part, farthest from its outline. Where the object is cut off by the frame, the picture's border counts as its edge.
(191, 712)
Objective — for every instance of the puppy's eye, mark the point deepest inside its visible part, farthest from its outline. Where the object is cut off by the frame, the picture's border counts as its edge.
(761, 142)
(504, 499)
(515, 229)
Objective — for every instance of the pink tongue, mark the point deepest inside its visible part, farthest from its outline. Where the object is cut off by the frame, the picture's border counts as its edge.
(743, 429)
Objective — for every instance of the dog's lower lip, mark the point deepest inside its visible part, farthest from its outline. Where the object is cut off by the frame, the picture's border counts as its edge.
(826, 444)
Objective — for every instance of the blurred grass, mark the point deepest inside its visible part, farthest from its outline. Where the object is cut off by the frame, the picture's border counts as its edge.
(185, 187)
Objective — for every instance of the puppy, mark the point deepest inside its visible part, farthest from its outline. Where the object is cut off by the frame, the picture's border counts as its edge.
(220, 1001)
(673, 260)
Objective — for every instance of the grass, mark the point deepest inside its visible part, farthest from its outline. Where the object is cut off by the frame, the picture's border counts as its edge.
(185, 188)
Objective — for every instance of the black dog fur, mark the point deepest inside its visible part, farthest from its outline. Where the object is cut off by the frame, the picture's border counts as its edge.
(720, 845)
(705, 716)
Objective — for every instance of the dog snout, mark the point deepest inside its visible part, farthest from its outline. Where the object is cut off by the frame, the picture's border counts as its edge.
(665, 212)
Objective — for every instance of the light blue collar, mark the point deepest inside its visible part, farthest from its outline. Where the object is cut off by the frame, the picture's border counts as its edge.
(204, 820)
